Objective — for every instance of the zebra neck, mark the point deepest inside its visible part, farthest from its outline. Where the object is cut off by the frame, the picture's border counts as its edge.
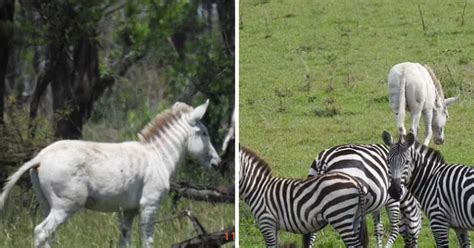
(423, 180)
(169, 146)
(254, 185)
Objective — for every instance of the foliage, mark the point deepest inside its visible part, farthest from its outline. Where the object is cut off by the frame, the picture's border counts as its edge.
(142, 48)
(347, 48)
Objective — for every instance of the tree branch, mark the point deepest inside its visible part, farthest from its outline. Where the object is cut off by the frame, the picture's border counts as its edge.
(203, 193)
(215, 239)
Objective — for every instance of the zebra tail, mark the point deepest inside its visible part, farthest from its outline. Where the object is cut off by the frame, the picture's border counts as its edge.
(360, 216)
(402, 101)
(14, 178)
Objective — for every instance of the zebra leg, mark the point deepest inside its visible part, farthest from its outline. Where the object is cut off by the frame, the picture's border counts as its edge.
(126, 221)
(43, 202)
(308, 240)
(411, 220)
(428, 117)
(415, 118)
(393, 210)
(147, 217)
(440, 228)
(463, 238)
(45, 229)
(378, 228)
(270, 234)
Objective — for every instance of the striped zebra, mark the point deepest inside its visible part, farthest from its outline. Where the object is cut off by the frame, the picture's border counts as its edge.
(302, 206)
(445, 191)
(368, 162)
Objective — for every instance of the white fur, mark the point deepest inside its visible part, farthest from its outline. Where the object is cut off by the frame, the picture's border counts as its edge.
(130, 177)
(411, 87)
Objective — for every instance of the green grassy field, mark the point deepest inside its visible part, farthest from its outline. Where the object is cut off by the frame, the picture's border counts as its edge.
(313, 75)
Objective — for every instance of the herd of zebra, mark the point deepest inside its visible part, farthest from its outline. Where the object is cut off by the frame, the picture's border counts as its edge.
(345, 182)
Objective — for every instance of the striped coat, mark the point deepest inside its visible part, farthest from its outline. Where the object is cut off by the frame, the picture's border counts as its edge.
(445, 191)
(302, 206)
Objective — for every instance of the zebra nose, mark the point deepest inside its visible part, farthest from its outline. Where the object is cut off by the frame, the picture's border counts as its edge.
(216, 162)
(395, 189)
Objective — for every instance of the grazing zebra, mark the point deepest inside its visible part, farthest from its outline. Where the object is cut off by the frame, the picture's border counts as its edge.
(302, 206)
(368, 162)
(445, 191)
(414, 87)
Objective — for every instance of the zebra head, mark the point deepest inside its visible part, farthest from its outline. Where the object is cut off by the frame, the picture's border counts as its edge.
(440, 116)
(198, 144)
(399, 159)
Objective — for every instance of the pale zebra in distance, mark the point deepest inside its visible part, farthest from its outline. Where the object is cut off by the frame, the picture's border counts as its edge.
(445, 191)
(414, 87)
(305, 205)
(130, 177)
(368, 162)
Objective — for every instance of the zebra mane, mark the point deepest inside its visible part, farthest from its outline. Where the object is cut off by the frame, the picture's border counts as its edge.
(163, 120)
(258, 161)
(436, 82)
(437, 155)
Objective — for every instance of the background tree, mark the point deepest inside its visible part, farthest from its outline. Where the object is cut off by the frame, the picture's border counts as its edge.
(101, 70)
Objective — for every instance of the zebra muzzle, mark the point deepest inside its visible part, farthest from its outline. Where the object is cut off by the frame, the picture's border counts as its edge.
(395, 189)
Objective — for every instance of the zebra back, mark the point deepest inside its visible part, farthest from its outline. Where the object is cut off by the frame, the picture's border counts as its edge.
(367, 162)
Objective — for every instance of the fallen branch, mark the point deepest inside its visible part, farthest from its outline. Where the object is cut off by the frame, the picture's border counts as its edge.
(215, 239)
(203, 193)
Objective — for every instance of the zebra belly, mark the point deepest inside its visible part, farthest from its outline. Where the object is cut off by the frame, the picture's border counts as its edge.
(303, 227)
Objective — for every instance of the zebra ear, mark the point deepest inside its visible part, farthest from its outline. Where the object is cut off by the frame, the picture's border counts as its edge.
(197, 114)
(387, 138)
(450, 101)
(410, 139)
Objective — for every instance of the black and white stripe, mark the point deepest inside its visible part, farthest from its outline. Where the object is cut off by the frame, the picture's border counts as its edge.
(368, 162)
(445, 191)
(411, 219)
(302, 206)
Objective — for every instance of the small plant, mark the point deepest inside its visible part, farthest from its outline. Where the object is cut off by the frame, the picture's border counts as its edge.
(329, 110)
(380, 99)
(306, 86)
(330, 87)
(281, 94)
(452, 83)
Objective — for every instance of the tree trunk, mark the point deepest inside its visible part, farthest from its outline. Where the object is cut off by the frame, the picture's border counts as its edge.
(75, 79)
(226, 18)
(7, 9)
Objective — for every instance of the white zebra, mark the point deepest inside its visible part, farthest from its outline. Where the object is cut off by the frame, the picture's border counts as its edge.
(130, 177)
(415, 87)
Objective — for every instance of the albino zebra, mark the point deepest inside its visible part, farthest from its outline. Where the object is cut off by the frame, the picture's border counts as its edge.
(445, 191)
(415, 87)
(368, 163)
(302, 206)
(130, 177)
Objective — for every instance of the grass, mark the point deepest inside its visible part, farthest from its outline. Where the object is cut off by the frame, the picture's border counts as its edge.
(313, 75)
(95, 229)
